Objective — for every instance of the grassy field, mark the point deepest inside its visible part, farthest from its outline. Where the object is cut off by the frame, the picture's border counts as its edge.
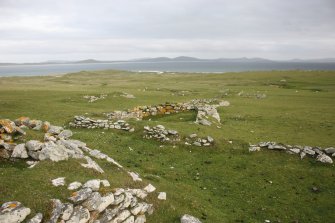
(223, 183)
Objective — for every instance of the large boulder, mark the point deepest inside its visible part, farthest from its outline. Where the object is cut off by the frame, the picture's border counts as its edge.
(53, 152)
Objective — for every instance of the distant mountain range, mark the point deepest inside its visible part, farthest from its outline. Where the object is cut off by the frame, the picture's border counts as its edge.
(182, 59)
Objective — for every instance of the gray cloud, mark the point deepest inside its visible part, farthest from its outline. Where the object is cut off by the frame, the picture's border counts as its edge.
(38, 30)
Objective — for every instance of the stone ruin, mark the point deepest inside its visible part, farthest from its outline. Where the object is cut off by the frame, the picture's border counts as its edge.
(89, 123)
(193, 139)
(206, 109)
(161, 134)
(321, 155)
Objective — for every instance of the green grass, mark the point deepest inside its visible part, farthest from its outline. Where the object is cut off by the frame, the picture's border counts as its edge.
(233, 185)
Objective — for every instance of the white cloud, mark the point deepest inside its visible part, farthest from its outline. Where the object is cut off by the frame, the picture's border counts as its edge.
(121, 29)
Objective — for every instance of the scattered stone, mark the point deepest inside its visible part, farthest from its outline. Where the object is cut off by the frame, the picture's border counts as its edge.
(127, 95)
(74, 185)
(189, 219)
(32, 164)
(150, 188)
(161, 196)
(58, 181)
(135, 176)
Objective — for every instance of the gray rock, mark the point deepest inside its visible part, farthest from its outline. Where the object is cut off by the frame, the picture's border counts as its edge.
(193, 135)
(33, 145)
(140, 219)
(105, 202)
(67, 211)
(80, 144)
(253, 148)
(295, 150)
(105, 183)
(196, 143)
(204, 122)
(189, 219)
(92, 165)
(55, 130)
(53, 152)
(302, 154)
(93, 184)
(127, 200)
(150, 188)
(161, 196)
(65, 134)
(80, 215)
(13, 212)
(130, 219)
(98, 154)
(57, 209)
(92, 202)
(308, 150)
(49, 137)
(324, 159)
(210, 139)
(36, 219)
(330, 150)
(81, 195)
(172, 132)
(20, 151)
(58, 181)
(74, 185)
(121, 216)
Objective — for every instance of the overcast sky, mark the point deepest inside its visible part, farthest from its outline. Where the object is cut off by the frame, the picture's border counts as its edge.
(40, 30)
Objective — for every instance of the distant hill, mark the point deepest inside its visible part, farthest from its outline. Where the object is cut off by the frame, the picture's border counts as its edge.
(182, 59)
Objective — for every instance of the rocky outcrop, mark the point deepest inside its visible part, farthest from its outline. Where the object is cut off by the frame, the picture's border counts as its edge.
(89, 123)
(321, 155)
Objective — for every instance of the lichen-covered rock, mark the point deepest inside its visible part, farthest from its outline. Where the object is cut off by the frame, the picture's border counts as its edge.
(105, 202)
(20, 151)
(81, 195)
(80, 215)
(67, 211)
(57, 209)
(13, 212)
(120, 217)
(92, 202)
(7, 125)
(189, 219)
(46, 126)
